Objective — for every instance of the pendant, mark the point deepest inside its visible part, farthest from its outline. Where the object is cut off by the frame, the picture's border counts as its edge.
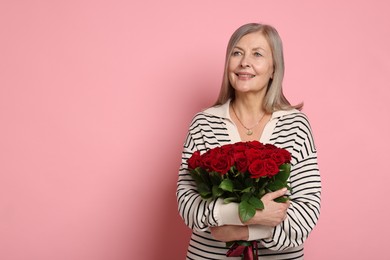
(249, 132)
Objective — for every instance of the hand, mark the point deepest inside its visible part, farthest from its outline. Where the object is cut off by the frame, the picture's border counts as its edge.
(273, 213)
(230, 233)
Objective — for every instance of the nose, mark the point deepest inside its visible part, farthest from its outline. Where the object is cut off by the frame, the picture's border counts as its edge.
(244, 62)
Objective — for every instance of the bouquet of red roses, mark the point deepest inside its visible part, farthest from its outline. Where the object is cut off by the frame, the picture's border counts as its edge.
(242, 172)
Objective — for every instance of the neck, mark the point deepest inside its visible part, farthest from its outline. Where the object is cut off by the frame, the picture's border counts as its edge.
(249, 116)
(248, 106)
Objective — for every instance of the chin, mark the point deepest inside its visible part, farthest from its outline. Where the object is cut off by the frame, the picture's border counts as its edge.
(244, 89)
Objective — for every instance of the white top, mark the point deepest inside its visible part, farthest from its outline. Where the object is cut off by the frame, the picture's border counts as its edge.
(286, 129)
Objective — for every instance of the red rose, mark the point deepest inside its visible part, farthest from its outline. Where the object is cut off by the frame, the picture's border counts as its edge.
(271, 167)
(286, 154)
(270, 146)
(240, 147)
(227, 149)
(256, 154)
(221, 163)
(257, 169)
(255, 145)
(208, 157)
(263, 168)
(277, 157)
(195, 160)
(241, 162)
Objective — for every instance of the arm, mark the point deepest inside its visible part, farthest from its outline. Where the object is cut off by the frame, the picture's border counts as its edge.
(263, 222)
(304, 210)
(196, 212)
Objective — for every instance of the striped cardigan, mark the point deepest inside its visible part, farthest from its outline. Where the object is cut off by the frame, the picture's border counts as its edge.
(286, 129)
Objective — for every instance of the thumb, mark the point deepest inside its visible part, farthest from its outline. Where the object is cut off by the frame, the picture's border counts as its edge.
(276, 194)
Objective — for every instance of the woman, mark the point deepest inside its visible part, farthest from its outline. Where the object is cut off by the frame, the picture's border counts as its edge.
(251, 106)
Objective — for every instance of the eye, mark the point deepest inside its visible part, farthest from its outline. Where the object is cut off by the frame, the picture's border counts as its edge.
(257, 54)
(236, 53)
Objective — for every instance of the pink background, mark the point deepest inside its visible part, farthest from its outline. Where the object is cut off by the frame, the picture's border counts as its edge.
(96, 98)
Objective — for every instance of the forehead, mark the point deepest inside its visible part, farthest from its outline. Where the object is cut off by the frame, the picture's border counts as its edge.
(253, 41)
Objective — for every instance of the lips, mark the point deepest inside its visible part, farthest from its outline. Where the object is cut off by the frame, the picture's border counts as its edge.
(245, 75)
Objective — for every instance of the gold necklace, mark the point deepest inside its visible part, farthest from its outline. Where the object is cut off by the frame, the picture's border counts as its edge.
(248, 130)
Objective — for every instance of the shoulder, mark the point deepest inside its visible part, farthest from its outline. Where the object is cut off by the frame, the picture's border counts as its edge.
(293, 116)
(204, 118)
(292, 121)
(212, 115)
(293, 130)
(221, 111)
(206, 122)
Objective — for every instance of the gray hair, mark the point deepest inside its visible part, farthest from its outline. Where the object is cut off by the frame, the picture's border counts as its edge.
(274, 98)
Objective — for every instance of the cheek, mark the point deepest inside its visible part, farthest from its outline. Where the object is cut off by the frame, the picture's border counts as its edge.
(231, 79)
(233, 63)
(265, 69)
(230, 67)
(231, 74)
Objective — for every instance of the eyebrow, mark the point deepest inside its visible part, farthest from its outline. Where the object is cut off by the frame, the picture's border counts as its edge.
(254, 49)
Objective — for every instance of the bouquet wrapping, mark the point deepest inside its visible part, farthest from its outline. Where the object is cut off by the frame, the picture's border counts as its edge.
(242, 172)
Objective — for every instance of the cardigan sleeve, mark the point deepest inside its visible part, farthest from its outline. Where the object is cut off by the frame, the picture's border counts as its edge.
(305, 182)
(198, 213)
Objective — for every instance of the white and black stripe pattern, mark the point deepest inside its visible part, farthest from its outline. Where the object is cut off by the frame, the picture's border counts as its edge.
(292, 132)
(206, 132)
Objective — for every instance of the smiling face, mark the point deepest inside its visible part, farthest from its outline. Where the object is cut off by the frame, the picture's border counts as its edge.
(250, 66)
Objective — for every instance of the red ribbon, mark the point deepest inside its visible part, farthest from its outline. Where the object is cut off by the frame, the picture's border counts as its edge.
(248, 251)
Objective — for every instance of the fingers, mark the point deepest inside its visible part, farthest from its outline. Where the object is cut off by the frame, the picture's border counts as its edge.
(276, 194)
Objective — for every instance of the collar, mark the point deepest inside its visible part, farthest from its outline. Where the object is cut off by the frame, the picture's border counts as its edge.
(222, 111)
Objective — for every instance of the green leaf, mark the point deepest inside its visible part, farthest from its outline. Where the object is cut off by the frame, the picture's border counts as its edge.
(205, 195)
(246, 196)
(217, 192)
(256, 202)
(246, 211)
(249, 189)
(232, 170)
(285, 167)
(276, 185)
(284, 172)
(226, 185)
(281, 199)
(230, 199)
